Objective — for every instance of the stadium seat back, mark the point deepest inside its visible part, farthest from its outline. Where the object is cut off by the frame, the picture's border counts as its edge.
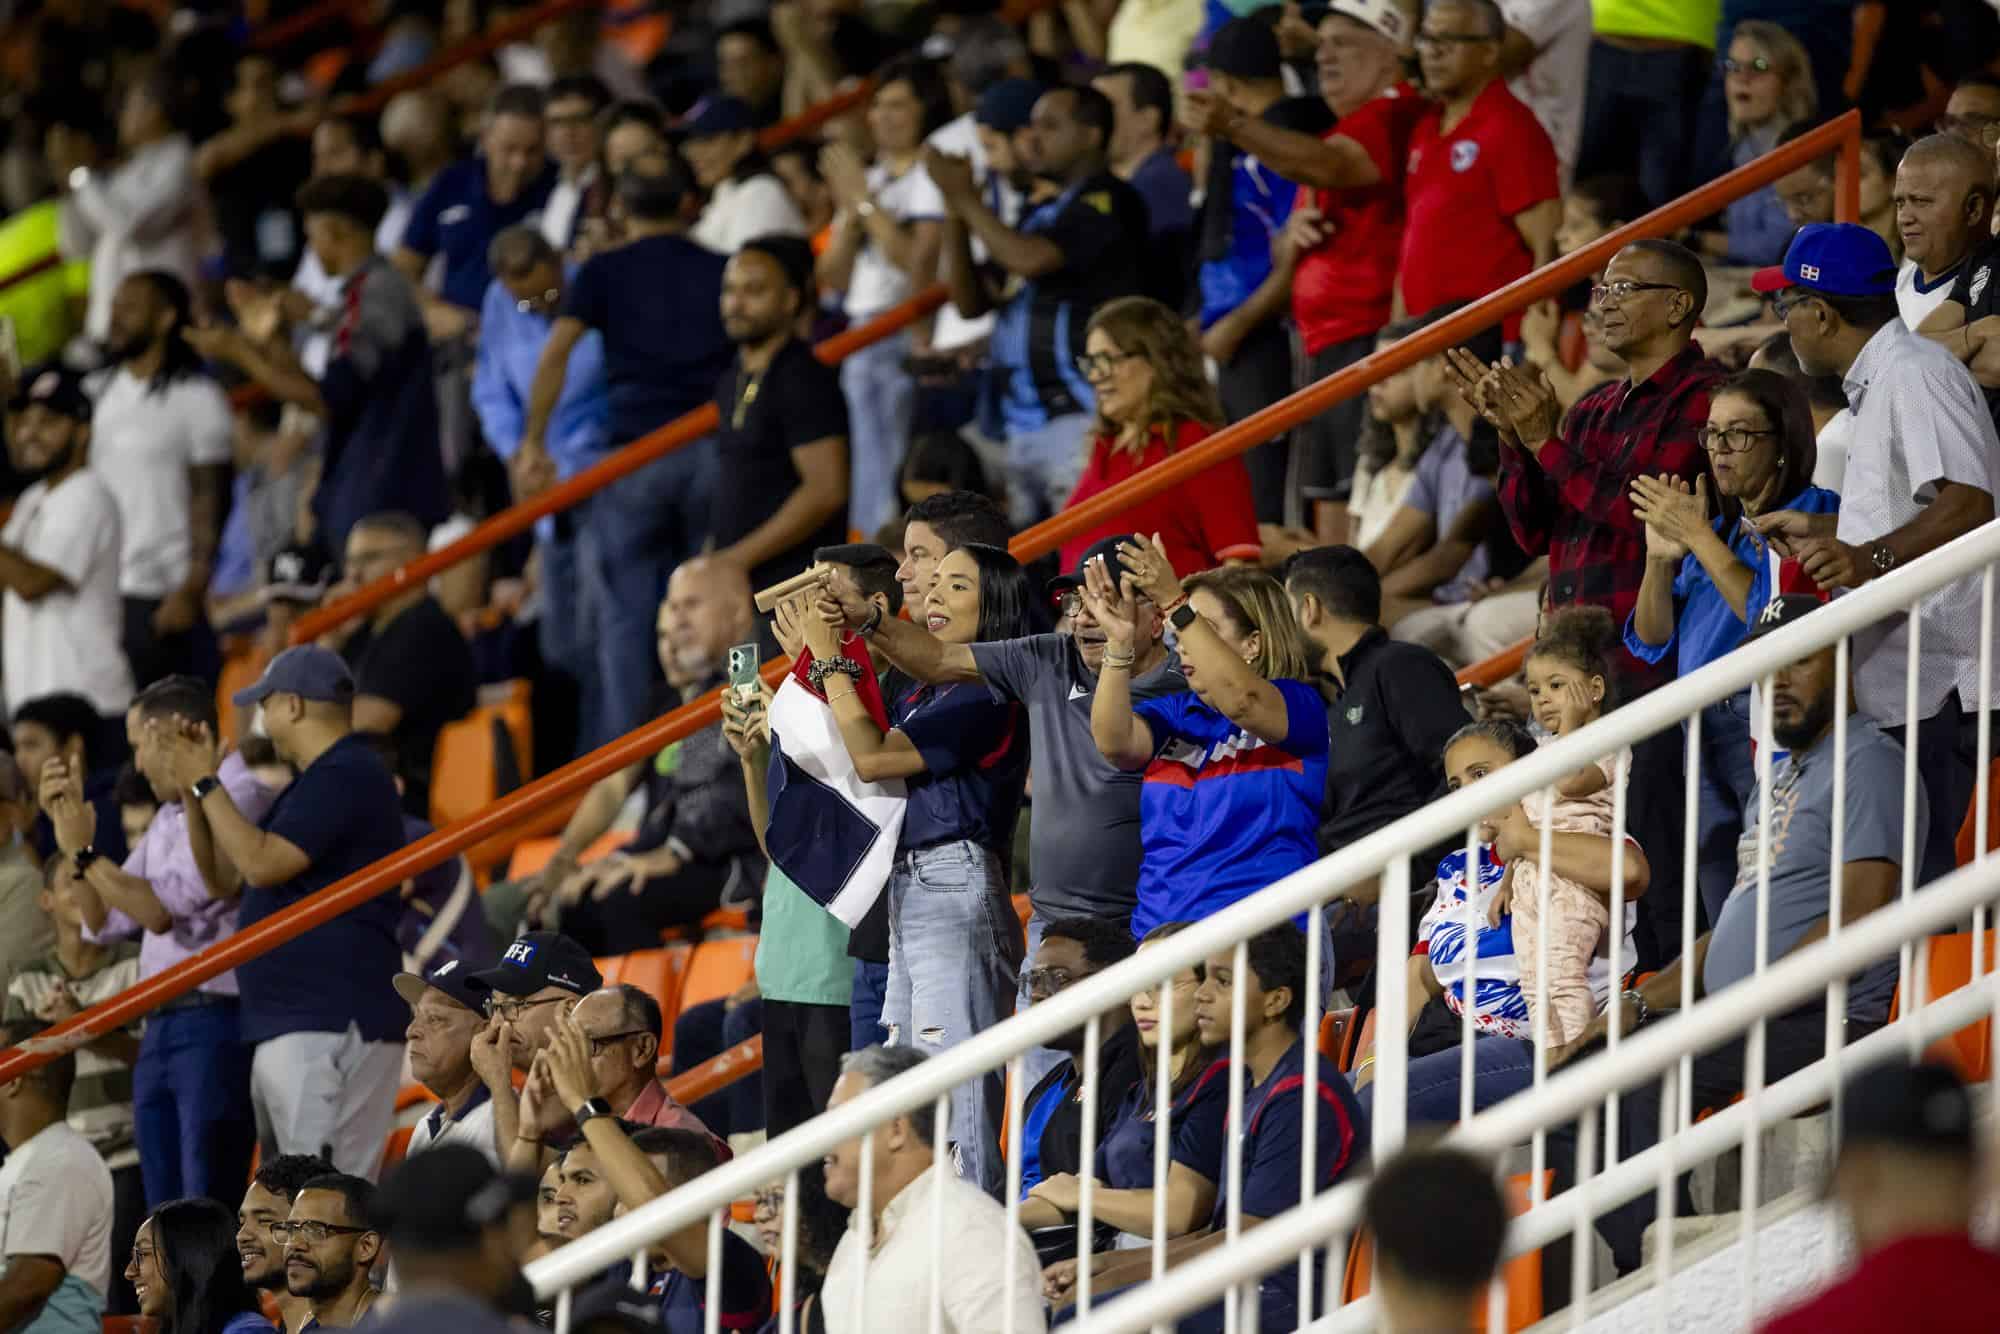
(530, 855)
(395, 1148)
(659, 974)
(1359, 1042)
(1970, 1049)
(484, 755)
(717, 968)
(1333, 1028)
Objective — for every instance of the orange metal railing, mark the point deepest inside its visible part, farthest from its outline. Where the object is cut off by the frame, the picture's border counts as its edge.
(579, 774)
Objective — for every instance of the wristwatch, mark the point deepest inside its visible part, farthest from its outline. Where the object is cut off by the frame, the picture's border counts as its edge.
(1182, 617)
(203, 786)
(589, 1109)
(84, 856)
(1881, 560)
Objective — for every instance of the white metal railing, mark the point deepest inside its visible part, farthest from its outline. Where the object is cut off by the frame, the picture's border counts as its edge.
(1526, 1117)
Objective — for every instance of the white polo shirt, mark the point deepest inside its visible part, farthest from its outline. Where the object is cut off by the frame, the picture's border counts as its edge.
(744, 210)
(55, 1201)
(67, 640)
(472, 1127)
(143, 442)
(877, 284)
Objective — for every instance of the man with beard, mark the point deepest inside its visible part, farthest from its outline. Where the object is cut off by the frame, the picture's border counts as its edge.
(59, 555)
(267, 1205)
(331, 1245)
(1802, 813)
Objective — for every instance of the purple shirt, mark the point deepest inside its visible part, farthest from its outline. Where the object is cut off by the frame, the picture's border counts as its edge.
(165, 860)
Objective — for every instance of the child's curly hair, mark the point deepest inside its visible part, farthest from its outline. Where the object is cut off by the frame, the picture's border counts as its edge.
(1585, 638)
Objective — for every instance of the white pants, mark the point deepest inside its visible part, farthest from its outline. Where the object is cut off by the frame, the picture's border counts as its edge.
(1463, 633)
(326, 1093)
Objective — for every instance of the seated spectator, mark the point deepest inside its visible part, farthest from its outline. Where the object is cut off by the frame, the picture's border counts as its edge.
(1142, 155)
(1708, 579)
(266, 1208)
(55, 1203)
(1216, 824)
(1393, 439)
(327, 1060)
(26, 932)
(744, 199)
(750, 67)
(539, 977)
(1907, 1180)
(1804, 706)
(796, 165)
(939, 461)
(570, 117)
(412, 670)
(1197, 1092)
(898, 1276)
(1154, 400)
(1768, 82)
(1972, 112)
(884, 248)
(1806, 192)
(331, 1249)
(1826, 398)
(954, 957)
(819, 1225)
(1944, 205)
(59, 555)
(1438, 1223)
(547, 1237)
(450, 1218)
(59, 732)
(446, 1012)
(188, 1275)
(1880, 156)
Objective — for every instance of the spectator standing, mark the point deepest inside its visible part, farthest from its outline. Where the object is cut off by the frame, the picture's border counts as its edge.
(1944, 213)
(1907, 1181)
(1546, 58)
(782, 484)
(188, 1275)
(161, 440)
(1482, 185)
(1070, 255)
(192, 1076)
(26, 933)
(570, 118)
(266, 1207)
(750, 67)
(1648, 65)
(1768, 79)
(140, 213)
(661, 360)
(412, 670)
(884, 247)
(446, 1011)
(251, 168)
(898, 1265)
(377, 397)
(1418, 1197)
(1153, 401)
(987, 53)
(60, 616)
(55, 1203)
(342, 146)
(327, 1060)
(1923, 414)
(1142, 154)
(744, 199)
(331, 1248)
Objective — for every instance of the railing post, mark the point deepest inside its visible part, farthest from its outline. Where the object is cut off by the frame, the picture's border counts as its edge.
(1847, 179)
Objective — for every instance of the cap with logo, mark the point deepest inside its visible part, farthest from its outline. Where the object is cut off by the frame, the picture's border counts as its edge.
(1245, 49)
(443, 1198)
(1387, 17)
(541, 959)
(305, 670)
(1106, 548)
(1836, 258)
(1920, 1106)
(297, 573)
(451, 977)
(1782, 611)
(55, 387)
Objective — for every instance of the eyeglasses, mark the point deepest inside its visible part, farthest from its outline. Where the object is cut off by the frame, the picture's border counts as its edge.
(1969, 123)
(1437, 40)
(1622, 290)
(312, 1232)
(1755, 65)
(597, 1045)
(1049, 980)
(1099, 365)
(1783, 304)
(143, 1255)
(509, 1010)
(1728, 440)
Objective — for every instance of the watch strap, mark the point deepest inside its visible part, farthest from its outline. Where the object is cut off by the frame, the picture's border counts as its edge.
(203, 786)
(84, 856)
(589, 1110)
(1182, 616)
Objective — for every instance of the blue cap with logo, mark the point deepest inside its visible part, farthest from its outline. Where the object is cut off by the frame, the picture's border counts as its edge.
(1836, 258)
(305, 670)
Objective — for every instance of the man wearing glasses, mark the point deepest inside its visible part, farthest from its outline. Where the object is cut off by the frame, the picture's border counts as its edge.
(540, 977)
(330, 1250)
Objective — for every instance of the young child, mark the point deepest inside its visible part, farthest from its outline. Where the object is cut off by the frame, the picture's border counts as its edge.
(1569, 685)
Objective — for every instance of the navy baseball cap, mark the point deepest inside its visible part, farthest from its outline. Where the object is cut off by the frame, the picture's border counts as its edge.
(1924, 1106)
(541, 959)
(719, 115)
(56, 387)
(1837, 258)
(1007, 105)
(451, 977)
(305, 670)
(1108, 548)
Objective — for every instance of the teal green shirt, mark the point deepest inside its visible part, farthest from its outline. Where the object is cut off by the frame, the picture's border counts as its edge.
(801, 949)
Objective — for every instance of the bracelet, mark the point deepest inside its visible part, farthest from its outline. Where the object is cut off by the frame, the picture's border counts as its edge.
(1175, 605)
(1125, 659)
(1366, 1061)
(1638, 999)
(825, 667)
(868, 627)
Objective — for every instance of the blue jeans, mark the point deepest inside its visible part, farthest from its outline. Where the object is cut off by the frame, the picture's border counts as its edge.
(633, 534)
(1728, 773)
(1501, 1067)
(881, 400)
(191, 1104)
(864, 1006)
(954, 950)
(1037, 1061)
(1042, 468)
(565, 635)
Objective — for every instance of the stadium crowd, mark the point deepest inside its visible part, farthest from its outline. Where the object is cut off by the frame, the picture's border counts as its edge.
(319, 307)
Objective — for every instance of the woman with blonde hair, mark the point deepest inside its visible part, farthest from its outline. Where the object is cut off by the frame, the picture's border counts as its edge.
(1235, 767)
(1153, 400)
(1768, 85)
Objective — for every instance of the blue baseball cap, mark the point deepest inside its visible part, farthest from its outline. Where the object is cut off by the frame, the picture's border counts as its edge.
(451, 977)
(1837, 258)
(305, 670)
(1007, 105)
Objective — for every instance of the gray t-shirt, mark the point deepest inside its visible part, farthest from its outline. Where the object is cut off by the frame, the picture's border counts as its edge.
(1083, 834)
(1444, 488)
(1801, 849)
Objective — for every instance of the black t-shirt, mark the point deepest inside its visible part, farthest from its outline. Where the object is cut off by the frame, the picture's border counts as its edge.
(1978, 290)
(1388, 728)
(658, 303)
(421, 663)
(795, 402)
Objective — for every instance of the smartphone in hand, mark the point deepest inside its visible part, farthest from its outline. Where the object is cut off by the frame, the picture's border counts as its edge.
(744, 679)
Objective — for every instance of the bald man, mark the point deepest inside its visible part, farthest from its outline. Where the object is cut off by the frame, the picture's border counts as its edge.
(1944, 208)
(696, 846)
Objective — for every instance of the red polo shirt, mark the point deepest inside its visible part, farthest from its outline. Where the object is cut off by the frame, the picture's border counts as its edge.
(1462, 191)
(1201, 522)
(1344, 286)
(1924, 1285)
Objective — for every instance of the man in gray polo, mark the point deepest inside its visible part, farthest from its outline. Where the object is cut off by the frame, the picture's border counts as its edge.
(1083, 844)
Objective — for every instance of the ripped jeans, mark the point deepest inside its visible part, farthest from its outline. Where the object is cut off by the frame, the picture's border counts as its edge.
(954, 952)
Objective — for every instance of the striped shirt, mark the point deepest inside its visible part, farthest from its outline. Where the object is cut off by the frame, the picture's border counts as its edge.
(100, 1103)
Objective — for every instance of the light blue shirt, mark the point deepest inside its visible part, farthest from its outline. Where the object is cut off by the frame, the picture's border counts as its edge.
(510, 348)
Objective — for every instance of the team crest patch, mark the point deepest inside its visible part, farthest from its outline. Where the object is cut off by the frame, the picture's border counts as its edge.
(1463, 154)
(1354, 716)
(1979, 283)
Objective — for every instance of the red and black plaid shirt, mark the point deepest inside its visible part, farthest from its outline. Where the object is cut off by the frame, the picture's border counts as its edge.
(1569, 501)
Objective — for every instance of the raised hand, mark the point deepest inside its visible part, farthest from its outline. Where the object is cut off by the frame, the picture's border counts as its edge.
(568, 1062)
(1146, 564)
(1674, 513)
(746, 727)
(951, 175)
(492, 1053)
(1112, 605)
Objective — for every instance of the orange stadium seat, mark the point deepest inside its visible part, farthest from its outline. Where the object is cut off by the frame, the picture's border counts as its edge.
(1970, 1049)
(531, 855)
(239, 670)
(395, 1148)
(1523, 1273)
(1333, 1028)
(484, 755)
(659, 974)
(717, 968)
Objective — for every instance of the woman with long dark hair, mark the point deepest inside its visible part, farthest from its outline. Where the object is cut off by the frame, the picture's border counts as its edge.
(187, 1274)
(954, 940)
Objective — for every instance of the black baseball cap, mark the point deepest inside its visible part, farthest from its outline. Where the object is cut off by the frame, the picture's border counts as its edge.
(451, 977)
(1245, 49)
(1924, 1106)
(1782, 611)
(1108, 549)
(541, 959)
(443, 1198)
(56, 387)
(297, 573)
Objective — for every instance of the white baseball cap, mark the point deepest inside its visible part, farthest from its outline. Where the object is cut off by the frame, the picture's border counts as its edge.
(1387, 17)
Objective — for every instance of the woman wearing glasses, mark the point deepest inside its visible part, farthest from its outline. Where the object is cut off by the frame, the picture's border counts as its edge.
(1709, 574)
(1154, 400)
(1768, 83)
(187, 1275)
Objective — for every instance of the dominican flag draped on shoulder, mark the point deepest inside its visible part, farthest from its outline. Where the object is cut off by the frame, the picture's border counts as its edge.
(833, 835)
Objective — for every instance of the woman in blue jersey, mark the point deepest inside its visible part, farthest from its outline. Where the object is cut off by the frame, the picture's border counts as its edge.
(954, 939)
(1235, 769)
